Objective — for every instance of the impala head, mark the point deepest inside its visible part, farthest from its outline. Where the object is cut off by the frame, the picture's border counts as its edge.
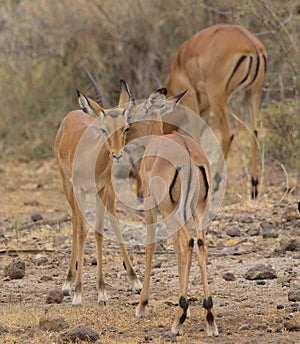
(113, 122)
(152, 110)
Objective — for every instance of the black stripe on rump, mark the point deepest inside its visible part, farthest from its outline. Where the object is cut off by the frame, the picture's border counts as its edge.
(205, 180)
(265, 63)
(248, 72)
(173, 183)
(241, 59)
(256, 70)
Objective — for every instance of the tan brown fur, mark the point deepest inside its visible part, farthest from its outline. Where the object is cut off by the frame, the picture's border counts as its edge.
(213, 65)
(141, 119)
(186, 196)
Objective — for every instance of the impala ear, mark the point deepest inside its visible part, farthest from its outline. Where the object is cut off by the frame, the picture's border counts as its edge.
(176, 99)
(125, 95)
(88, 105)
(172, 102)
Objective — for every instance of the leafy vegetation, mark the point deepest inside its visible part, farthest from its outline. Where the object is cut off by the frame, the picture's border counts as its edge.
(43, 45)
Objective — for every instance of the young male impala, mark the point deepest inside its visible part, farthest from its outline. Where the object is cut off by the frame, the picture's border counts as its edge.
(118, 126)
(183, 200)
(109, 133)
(213, 65)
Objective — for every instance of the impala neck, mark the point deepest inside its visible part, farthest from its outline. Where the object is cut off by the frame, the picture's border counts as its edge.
(144, 128)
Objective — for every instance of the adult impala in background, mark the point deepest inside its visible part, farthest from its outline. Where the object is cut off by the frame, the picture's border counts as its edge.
(213, 65)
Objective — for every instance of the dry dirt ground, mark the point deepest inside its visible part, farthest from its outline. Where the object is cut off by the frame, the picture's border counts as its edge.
(248, 311)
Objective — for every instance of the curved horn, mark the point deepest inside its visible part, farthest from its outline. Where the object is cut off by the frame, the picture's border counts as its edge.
(96, 86)
(155, 77)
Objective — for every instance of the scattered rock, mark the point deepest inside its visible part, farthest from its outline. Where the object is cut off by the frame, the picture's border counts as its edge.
(260, 272)
(168, 337)
(280, 306)
(270, 234)
(36, 217)
(55, 296)
(234, 232)
(3, 329)
(46, 278)
(157, 265)
(291, 213)
(253, 231)
(15, 270)
(229, 276)
(268, 230)
(291, 325)
(294, 295)
(260, 282)
(40, 259)
(245, 327)
(53, 323)
(246, 219)
(284, 279)
(290, 244)
(81, 333)
(59, 239)
(32, 203)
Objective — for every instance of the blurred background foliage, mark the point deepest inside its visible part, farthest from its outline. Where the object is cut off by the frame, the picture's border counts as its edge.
(44, 44)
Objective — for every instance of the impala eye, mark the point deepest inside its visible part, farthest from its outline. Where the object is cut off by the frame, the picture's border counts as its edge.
(104, 131)
(125, 130)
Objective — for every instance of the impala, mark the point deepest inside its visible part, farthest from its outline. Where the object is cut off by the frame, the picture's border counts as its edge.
(182, 200)
(213, 65)
(108, 135)
(105, 138)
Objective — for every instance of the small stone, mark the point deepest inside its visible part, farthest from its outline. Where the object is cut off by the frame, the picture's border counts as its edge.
(36, 217)
(284, 279)
(234, 232)
(291, 325)
(253, 231)
(294, 295)
(268, 230)
(3, 329)
(290, 245)
(260, 272)
(46, 278)
(59, 239)
(40, 260)
(94, 261)
(280, 307)
(260, 282)
(53, 323)
(245, 327)
(229, 276)
(157, 265)
(168, 337)
(246, 219)
(55, 296)
(15, 270)
(80, 333)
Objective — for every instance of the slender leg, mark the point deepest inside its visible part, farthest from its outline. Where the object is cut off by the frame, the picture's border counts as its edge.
(183, 244)
(253, 98)
(81, 236)
(202, 256)
(219, 109)
(100, 283)
(114, 219)
(72, 269)
(150, 216)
